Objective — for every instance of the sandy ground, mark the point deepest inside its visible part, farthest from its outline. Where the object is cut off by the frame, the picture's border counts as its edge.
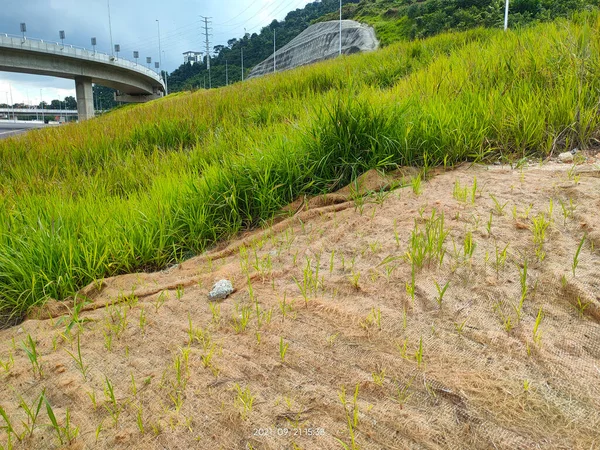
(343, 356)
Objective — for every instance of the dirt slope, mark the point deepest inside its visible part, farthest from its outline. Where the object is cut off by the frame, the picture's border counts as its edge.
(485, 377)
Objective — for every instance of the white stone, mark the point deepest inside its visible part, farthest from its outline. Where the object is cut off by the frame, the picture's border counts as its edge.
(221, 290)
(566, 157)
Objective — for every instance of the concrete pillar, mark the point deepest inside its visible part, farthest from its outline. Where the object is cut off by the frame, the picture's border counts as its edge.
(85, 98)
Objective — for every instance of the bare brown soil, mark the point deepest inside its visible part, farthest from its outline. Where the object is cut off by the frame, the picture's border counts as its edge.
(485, 377)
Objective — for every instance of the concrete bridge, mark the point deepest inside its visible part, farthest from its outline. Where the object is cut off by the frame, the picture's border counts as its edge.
(134, 82)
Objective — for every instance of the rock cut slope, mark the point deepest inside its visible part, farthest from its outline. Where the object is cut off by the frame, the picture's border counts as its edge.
(318, 43)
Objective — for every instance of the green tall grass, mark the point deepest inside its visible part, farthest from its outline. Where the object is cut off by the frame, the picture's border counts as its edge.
(150, 185)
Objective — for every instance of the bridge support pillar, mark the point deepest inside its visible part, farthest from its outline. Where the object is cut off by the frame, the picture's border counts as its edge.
(85, 98)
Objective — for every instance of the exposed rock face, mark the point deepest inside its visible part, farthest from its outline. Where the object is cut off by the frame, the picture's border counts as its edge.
(319, 42)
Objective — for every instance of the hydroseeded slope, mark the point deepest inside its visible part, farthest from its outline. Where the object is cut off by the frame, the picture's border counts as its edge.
(323, 344)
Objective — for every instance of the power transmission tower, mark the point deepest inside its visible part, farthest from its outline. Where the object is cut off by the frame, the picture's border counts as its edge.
(206, 22)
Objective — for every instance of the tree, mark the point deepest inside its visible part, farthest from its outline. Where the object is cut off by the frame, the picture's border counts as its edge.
(70, 102)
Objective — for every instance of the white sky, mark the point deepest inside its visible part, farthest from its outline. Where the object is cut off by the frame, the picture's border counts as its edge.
(134, 27)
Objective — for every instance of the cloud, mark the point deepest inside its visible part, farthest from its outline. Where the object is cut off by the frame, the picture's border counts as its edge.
(134, 27)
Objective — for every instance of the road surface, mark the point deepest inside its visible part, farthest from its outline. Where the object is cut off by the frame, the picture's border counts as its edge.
(10, 128)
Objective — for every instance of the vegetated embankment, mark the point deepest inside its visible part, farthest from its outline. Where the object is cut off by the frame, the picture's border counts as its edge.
(151, 185)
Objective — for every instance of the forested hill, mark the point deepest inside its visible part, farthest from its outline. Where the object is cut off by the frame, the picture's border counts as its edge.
(257, 47)
(393, 20)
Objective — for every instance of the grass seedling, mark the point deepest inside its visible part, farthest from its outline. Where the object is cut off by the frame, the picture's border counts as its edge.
(540, 225)
(427, 246)
(309, 284)
(459, 327)
(499, 207)
(179, 291)
(419, 353)
(459, 192)
(374, 317)
(160, 300)
(9, 428)
(537, 334)
(241, 318)
(403, 395)
(31, 351)
(416, 185)
(523, 281)
(576, 257)
(581, 306)
(469, 245)
(567, 211)
(501, 256)
(92, 396)
(74, 319)
(215, 310)
(489, 225)
(83, 369)
(66, 434)
(244, 400)
(441, 291)
(139, 419)
(354, 280)
(143, 321)
(331, 261)
(331, 339)
(352, 414)
(283, 347)
(134, 389)
(285, 307)
(10, 362)
(111, 404)
(379, 377)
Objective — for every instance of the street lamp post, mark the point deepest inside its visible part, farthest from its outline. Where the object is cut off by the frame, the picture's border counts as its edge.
(340, 27)
(109, 26)
(159, 49)
(42, 103)
(506, 15)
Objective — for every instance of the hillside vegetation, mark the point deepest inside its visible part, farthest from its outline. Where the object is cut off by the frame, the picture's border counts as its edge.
(409, 19)
(393, 20)
(150, 185)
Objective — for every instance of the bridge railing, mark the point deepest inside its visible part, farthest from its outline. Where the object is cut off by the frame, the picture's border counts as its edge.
(39, 45)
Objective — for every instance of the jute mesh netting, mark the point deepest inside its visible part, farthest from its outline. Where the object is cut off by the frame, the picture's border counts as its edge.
(507, 358)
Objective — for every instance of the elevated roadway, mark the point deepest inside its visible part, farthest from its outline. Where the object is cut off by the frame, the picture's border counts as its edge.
(134, 82)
